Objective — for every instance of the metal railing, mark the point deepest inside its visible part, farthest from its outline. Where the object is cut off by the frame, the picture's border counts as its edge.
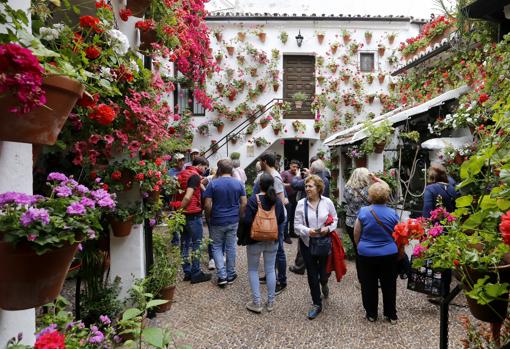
(223, 142)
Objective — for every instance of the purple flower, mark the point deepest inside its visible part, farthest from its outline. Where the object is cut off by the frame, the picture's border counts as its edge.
(71, 183)
(105, 319)
(82, 189)
(117, 339)
(63, 191)
(76, 209)
(152, 222)
(91, 234)
(106, 202)
(18, 198)
(34, 214)
(97, 336)
(51, 328)
(80, 247)
(88, 202)
(31, 237)
(57, 176)
(99, 194)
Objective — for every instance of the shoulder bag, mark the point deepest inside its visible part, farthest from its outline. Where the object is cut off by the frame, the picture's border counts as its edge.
(319, 246)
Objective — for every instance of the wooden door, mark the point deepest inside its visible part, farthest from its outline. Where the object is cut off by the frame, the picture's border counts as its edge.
(299, 76)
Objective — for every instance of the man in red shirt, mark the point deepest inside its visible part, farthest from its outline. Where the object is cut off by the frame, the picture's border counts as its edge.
(191, 203)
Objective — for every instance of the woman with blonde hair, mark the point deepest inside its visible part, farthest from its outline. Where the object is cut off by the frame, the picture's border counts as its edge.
(355, 197)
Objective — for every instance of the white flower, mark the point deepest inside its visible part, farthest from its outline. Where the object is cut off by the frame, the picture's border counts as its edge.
(106, 73)
(133, 65)
(118, 41)
(48, 34)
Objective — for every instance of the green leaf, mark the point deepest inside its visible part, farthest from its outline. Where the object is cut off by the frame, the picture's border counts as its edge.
(154, 336)
(131, 313)
(474, 220)
(503, 204)
(464, 201)
(156, 302)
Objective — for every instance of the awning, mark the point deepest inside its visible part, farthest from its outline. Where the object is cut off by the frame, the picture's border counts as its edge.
(358, 132)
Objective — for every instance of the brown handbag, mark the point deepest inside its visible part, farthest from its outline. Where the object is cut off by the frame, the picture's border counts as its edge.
(265, 225)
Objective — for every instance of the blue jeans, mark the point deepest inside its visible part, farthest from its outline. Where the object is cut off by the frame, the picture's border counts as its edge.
(209, 247)
(191, 237)
(281, 261)
(224, 236)
(253, 252)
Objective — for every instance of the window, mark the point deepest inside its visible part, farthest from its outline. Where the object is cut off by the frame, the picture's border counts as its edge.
(366, 62)
(186, 100)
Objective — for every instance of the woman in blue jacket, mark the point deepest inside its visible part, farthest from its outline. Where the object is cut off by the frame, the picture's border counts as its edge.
(439, 192)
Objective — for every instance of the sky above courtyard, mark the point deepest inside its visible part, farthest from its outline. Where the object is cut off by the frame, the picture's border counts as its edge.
(415, 8)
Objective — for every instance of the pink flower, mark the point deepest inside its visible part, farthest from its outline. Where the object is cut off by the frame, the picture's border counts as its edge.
(436, 230)
(418, 250)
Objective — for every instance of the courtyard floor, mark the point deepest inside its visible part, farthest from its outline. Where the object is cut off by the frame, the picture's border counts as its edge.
(210, 317)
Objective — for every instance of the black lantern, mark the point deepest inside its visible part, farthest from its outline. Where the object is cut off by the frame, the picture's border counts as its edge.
(299, 39)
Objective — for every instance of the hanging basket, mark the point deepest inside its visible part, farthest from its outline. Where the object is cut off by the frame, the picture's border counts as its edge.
(138, 7)
(166, 294)
(147, 37)
(379, 147)
(28, 280)
(495, 311)
(120, 228)
(361, 162)
(43, 124)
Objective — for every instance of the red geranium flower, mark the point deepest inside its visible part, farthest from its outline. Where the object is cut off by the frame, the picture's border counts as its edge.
(145, 25)
(103, 114)
(116, 175)
(90, 22)
(51, 340)
(483, 98)
(139, 177)
(125, 14)
(158, 161)
(504, 227)
(92, 52)
(88, 101)
(103, 4)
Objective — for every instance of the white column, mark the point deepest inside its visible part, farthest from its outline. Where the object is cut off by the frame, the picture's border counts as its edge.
(376, 162)
(16, 175)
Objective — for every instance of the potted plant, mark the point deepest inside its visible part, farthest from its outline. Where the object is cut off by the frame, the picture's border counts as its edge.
(230, 50)
(370, 98)
(319, 61)
(261, 34)
(346, 35)
(241, 36)
(251, 128)
(370, 78)
(334, 47)
(234, 138)
(261, 85)
(320, 79)
(299, 98)
(354, 48)
(253, 72)
(413, 136)
(123, 218)
(214, 145)
(240, 59)
(284, 37)
(276, 85)
(381, 49)
(320, 36)
(332, 67)
(162, 277)
(381, 76)
(378, 135)
(265, 120)
(368, 37)
(218, 34)
(203, 129)
(219, 57)
(391, 38)
(318, 123)
(152, 176)
(260, 141)
(219, 124)
(299, 126)
(277, 126)
(40, 236)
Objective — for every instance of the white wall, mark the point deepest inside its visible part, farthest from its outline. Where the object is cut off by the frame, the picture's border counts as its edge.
(310, 46)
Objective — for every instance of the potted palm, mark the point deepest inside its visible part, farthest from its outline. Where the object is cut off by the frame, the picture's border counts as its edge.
(299, 98)
(40, 235)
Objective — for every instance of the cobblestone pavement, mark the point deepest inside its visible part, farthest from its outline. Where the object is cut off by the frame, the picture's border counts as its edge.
(210, 317)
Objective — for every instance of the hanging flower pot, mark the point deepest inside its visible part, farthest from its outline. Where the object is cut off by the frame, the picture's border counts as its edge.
(276, 131)
(276, 86)
(320, 79)
(43, 124)
(240, 60)
(214, 146)
(381, 78)
(218, 59)
(166, 294)
(346, 38)
(147, 37)
(253, 72)
(361, 162)
(220, 128)
(320, 38)
(232, 95)
(370, 99)
(241, 36)
(317, 129)
(379, 147)
(230, 50)
(495, 311)
(218, 35)
(122, 228)
(381, 51)
(138, 7)
(334, 49)
(29, 280)
(262, 37)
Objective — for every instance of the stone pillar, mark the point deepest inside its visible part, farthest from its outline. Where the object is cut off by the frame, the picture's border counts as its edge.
(376, 162)
(16, 175)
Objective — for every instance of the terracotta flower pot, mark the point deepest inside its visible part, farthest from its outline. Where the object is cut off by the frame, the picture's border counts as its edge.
(334, 49)
(218, 36)
(253, 72)
(391, 40)
(381, 78)
(220, 128)
(43, 124)
(298, 104)
(138, 7)
(264, 124)
(28, 280)
(147, 37)
(276, 87)
(379, 147)
(276, 132)
(370, 99)
(320, 38)
(232, 96)
(121, 228)
(262, 37)
(346, 38)
(166, 294)
(381, 51)
(241, 36)
(230, 50)
(317, 129)
(361, 162)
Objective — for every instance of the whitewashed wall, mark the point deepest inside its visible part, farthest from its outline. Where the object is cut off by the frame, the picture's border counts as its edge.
(310, 46)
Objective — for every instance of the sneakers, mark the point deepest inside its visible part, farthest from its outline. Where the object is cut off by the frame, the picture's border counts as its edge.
(201, 277)
(287, 240)
(262, 280)
(212, 265)
(270, 306)
(371, 318)
(254, 307)
(325, 291)
(187, 278)
(297, 270)
(393, 321)
(231, 280)
(279, 289)
(314, 312)
(222, 282)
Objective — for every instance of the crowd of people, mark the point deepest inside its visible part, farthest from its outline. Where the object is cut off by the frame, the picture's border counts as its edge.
(294, 203)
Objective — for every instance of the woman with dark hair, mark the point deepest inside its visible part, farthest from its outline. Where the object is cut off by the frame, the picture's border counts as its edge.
(266, 199)
(439, 189)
